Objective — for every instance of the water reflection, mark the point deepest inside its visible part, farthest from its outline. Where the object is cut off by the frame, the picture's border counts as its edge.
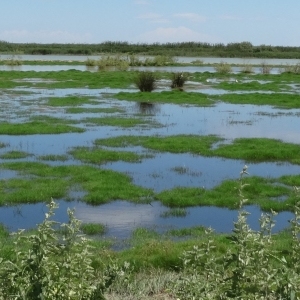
(122, 217)
(147, 108)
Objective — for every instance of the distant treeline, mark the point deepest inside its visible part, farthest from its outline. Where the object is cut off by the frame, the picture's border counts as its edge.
(194, 49)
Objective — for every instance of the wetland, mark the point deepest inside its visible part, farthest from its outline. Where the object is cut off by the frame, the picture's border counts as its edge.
(164, 160)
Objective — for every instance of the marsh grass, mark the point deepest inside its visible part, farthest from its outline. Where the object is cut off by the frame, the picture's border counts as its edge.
(102, 156)
(93, 228)
(57, 181)
(15, 155)
(37, 127)
(247, 69)
(53, 157)
(13, 61)
(174, 96)
(96, 110)
(70, 101)
(265, 68)
(292, 69)
(223, 68)
(277, 100)
(145, 81)
(178, 80)
(117, 121)
(174, 212)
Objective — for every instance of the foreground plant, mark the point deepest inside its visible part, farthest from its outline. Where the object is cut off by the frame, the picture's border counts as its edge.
(251, 269)
(53, 263)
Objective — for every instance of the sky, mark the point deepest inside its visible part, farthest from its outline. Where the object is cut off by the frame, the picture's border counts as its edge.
(269, 22)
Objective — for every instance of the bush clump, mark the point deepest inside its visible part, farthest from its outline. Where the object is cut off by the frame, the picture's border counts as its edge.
(145, 81)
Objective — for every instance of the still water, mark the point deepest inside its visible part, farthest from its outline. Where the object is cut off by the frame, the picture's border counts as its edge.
(156, 171)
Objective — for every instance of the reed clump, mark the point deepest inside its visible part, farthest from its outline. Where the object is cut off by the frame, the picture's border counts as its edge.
(223, 68)
(265, 68)
(145, 81)
(178, 80)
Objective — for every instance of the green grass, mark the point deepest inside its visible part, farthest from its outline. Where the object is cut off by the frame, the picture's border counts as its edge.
(93, 228)
(70, 101)
(101, 186)
(107, 110)
(285, 100)
(248, 149)
(36, 127)
(14, 155)
(176, 144)
(101, 156)
(176, 97)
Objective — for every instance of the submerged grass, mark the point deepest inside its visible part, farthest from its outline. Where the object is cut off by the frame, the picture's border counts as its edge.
(117, 121)
(14, 155)
(102, 156)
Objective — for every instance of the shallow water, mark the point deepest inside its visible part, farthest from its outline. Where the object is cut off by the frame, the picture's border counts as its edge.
(122, 217)
(156, 172)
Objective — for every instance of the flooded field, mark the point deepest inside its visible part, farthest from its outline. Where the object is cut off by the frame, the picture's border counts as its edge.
(155, 170)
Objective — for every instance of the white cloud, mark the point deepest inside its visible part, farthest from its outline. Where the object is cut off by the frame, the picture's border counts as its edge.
(174, 34)
(44, 36)
(191, 17)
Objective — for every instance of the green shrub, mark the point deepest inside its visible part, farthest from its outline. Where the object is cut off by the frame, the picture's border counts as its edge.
(52, 263)
(223, 68)
(145, 81)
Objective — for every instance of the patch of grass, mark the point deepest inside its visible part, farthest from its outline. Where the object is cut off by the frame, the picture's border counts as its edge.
(32, 190)
(175, 97)
(14, 155)
(276, 100)
(259, 191)
(101, 156)
(249, 149)
(252, 86)
(36, 127)
(93, 228)
(107, 110)
(176, 144)
(101, 186)
(259, 149)
(70, 101)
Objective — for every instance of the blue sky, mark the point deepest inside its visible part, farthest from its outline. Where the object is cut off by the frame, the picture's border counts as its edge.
(270, 22)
